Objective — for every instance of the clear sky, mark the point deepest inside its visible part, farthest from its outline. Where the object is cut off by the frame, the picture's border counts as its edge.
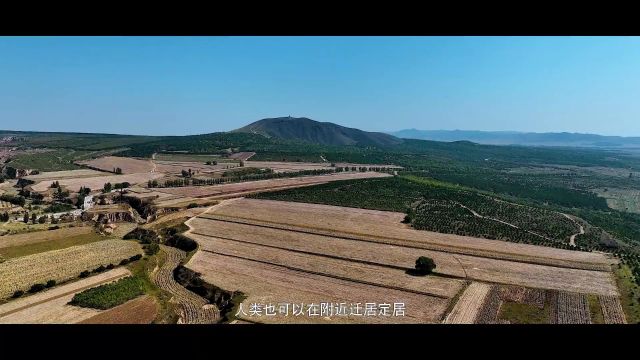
(190, 85)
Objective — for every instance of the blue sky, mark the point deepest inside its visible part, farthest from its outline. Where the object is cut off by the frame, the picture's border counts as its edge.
(189, 85)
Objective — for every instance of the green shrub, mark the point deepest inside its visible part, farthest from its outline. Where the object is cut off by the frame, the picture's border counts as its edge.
(152, 249)
(181, 242)
(17, 294)
(37, 288)
(425, 265)
(51, 283)
(84, 274)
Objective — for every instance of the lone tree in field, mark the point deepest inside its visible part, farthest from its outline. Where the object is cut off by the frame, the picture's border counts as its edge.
(425, 265)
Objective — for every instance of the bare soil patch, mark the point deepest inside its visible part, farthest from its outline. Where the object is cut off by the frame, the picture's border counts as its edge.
(141, 310)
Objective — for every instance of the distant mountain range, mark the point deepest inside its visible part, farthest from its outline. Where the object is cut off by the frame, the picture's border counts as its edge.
(326, 133)
(521, 138)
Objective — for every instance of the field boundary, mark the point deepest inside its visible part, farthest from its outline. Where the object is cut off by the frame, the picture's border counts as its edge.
(344, 278)
(423, 245)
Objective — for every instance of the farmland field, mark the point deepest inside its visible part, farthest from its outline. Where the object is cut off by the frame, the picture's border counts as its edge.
(200, 158)
(266, 284)
(248, 187)
(386, 227)
(128, 165)
(621, 199)
(141, 310)
(212, 235)
(51, 306)
(254, 245)
(23, 272)
(46, 240)
(74, 184)
(53, 160)
(468, 306)
(57, 175)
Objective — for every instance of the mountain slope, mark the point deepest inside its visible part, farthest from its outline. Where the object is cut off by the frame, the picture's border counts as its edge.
(317, 132)
(518, 138)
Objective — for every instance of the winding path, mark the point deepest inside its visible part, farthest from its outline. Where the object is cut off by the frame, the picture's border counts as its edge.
(506, 223)
(572, 239)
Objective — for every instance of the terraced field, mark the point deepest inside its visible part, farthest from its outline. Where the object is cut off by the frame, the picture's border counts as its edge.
(193, 309)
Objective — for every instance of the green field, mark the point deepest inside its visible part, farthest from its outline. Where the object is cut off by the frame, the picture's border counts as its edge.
(595, 310)
(110, 295)
(518, 313)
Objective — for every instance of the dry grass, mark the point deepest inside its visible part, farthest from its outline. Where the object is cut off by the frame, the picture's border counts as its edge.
(51, 306)
(612, 310)
(42, 241)
(41, 236)
(572, 309)
(462, 266)
(192, 308)
(282, 166)
(176, 167)
(57, 175)
(61, 265)
(141, 310)
(241, 155)
(393, 253)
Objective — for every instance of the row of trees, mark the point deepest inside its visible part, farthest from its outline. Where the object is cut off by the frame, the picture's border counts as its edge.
(363, 168)
(13, 199)
(38, 220)
(233, 179)
(117, 186)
